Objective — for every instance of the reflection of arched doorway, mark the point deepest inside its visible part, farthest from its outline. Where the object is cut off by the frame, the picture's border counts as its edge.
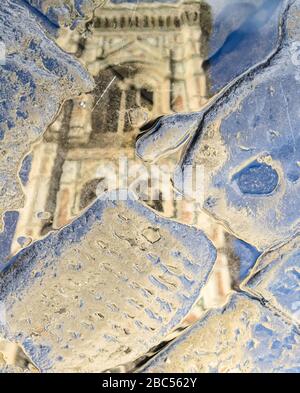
(151, 66)
(128, 90)
(89, 192)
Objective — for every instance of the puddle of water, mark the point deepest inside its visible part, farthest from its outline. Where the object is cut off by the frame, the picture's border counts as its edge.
(148, 60)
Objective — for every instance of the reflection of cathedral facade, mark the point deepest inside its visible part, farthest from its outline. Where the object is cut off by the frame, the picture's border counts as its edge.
(146, 61)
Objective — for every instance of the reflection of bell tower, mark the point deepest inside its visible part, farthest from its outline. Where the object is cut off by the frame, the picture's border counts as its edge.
(147, 61)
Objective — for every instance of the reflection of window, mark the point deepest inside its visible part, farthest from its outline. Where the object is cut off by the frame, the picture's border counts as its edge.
(89, 191)
(118, 93)
(108, 94)
(134, 98)
(147, 99)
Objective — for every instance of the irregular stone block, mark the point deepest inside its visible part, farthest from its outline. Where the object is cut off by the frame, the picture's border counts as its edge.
(276, 279)
(65, 12)
(105, 289)
(240, 35)
(166, 135)
(35, 76)
(242, 337)
(248, 145)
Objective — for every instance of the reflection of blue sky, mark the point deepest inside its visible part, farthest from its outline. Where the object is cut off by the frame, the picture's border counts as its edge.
(247, 256)
(284, 285)
(243, 34)
(6, 237)
(25, 169)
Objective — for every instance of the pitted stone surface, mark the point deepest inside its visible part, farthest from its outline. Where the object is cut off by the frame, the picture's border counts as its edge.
(65, 12)
(33, 69)
(242, 34)
(242, 337)
(248, 144)
(276, 279)
(98, 294)
(111, 285)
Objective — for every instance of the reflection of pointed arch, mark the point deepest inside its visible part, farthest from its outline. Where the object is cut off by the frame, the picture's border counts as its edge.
(122, 88)
(104, 118)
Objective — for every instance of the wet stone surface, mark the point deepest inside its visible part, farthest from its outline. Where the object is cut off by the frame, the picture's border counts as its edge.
(35, 68)
(275, 278)
(65, 13)
(243, 34)
(97, 293)
(250, 176)
(93, 279)
(242, 337)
